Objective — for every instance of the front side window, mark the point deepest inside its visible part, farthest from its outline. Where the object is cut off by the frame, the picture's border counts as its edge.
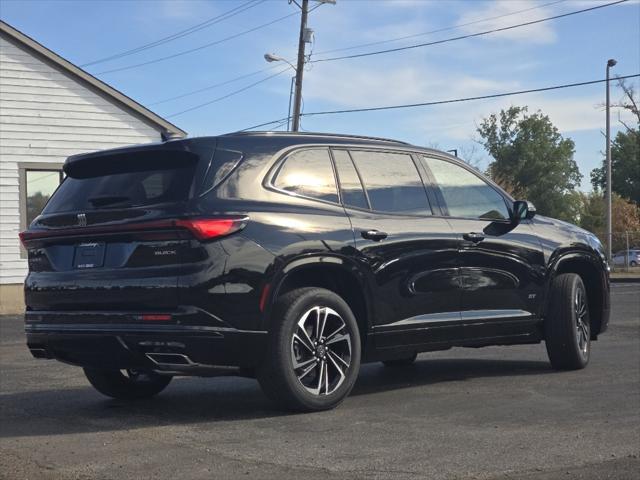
(39, 186)
(308, 173)
(392, 182)
(466, 194)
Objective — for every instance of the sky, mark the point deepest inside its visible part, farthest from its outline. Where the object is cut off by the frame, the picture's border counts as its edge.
(564, 50)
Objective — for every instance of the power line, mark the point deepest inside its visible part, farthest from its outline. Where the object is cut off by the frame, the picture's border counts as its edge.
(227, 82)
(442, 102)
(279, 121)
(195, 28)
(229, 94)
(471, 35)
(206, 45)
(445, 29)
(215, 85)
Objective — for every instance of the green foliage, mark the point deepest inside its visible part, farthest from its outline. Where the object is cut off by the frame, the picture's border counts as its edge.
(625, 166)
(533, 158)
(35, 204)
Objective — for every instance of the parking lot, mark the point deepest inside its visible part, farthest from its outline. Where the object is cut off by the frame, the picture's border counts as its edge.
(494, 413)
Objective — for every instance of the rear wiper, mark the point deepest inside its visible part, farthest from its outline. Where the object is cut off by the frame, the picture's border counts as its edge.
(105, 200)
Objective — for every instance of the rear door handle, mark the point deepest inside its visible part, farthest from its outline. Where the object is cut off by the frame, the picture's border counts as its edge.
(473, 237)
(375, 235)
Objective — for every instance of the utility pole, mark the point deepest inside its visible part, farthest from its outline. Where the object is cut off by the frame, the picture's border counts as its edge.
(610, 63)
(306, 36)
(297, 99)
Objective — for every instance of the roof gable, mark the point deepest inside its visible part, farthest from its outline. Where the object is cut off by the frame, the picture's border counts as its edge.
(166, 128)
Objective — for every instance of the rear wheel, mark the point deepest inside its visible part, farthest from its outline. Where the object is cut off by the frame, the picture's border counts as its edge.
(401, 362)
(567, 326)
(314, 351)
(127, 384)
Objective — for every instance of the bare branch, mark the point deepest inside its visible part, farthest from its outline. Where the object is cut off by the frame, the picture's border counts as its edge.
(629, 92)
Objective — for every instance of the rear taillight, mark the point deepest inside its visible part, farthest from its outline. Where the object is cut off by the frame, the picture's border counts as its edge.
(208, 228)
(23, 238)
(200, 228)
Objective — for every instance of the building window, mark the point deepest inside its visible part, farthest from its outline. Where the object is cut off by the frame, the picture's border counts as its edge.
(39, 186)
(36, 183)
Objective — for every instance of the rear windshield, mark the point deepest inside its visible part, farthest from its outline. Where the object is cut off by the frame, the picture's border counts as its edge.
(121, 190)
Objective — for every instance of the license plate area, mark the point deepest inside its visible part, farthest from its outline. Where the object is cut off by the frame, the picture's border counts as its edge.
(89, 255)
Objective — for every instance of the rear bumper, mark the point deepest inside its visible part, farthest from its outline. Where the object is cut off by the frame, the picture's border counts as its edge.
(111, 343)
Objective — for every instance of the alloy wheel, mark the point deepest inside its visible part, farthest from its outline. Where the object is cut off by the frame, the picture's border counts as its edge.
(321, 350)
(582, 322)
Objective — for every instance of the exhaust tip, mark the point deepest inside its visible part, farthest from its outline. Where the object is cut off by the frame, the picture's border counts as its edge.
(40, 353)
(165, 359)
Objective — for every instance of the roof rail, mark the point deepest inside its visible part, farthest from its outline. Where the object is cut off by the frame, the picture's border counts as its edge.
(314, 134)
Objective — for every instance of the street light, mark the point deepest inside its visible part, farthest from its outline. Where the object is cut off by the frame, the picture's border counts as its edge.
(610, 63)
(272, 57)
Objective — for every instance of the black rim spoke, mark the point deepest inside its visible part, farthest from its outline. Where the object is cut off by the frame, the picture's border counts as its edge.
(582, 325)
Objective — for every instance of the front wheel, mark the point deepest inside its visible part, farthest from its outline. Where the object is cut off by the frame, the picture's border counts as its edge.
(314, 351)
(567, 325)
(127, 384)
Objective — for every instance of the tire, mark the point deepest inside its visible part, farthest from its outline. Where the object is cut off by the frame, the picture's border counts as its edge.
(335, 362)
(134, 385)
(567, 325)
(400, 362)
(633, 264)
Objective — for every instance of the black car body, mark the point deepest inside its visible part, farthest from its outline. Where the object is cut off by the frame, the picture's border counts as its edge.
(170, 258)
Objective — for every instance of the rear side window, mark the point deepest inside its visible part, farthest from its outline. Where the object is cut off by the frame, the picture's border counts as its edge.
(308, 173)
(350, 185)
(124, 189)
(466, 194)
(392, 182)
(221, 166)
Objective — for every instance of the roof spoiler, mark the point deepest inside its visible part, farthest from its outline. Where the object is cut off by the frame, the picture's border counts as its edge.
(130, 159)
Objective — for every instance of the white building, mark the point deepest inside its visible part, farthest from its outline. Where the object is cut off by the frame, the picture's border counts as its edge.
(50, 109)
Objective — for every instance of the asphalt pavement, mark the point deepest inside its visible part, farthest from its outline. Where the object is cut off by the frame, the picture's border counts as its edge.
(491, 413)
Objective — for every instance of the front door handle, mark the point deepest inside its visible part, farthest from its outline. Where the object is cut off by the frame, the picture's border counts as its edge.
(375, 235)
(473, 237)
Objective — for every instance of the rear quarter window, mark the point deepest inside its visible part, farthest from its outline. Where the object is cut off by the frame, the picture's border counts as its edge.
(308, 173)
(222, 164)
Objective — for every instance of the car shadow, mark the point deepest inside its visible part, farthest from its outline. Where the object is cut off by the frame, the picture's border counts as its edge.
(198, 400)
(377, 378)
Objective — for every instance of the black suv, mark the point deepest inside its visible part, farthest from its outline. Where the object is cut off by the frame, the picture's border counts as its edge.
(294, 258)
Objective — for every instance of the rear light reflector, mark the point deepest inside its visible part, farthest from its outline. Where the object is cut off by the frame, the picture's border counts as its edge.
(264, 296)
(155, 317)
(200, 228)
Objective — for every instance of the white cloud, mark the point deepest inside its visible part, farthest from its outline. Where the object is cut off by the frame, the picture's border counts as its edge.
(568, 113)
(349, 86)
(540, 33)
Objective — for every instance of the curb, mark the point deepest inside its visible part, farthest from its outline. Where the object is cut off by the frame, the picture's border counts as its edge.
(625, 280)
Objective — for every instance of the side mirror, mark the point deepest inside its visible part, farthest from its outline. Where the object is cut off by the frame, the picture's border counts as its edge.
(523, 210)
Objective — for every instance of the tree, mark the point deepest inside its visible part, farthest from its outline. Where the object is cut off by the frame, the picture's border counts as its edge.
(533, 160)
(625, 218)
(625, 154)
